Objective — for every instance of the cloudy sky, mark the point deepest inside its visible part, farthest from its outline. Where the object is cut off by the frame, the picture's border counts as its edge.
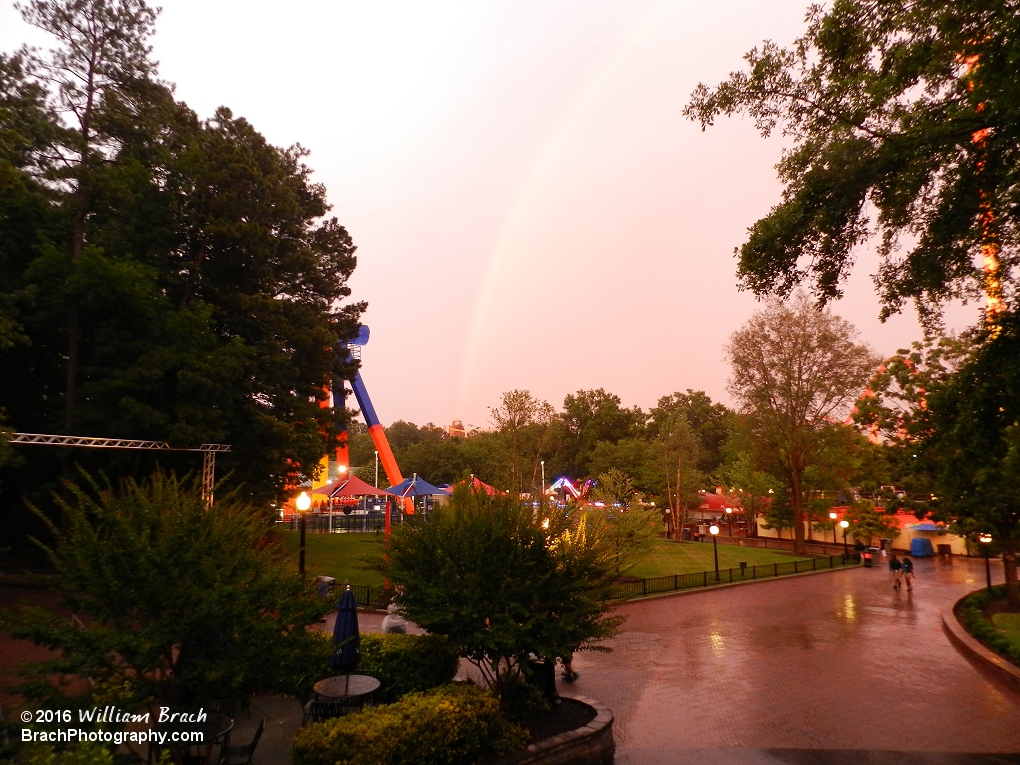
(530, 207)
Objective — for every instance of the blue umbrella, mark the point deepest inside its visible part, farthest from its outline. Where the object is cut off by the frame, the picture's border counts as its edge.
(417, 487)
(346, 635)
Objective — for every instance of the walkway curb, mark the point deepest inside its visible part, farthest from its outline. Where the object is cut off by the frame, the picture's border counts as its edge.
(591, 744)
(728, 585)
(974, 650)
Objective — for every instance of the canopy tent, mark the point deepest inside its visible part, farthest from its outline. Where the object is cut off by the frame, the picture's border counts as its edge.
(927, 526)
(475, 484)
(417, 487)
(355, 487)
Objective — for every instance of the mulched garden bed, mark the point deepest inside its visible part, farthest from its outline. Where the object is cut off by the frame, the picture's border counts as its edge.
(567, 715)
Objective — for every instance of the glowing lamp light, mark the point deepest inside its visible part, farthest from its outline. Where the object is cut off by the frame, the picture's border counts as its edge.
(303, 502)
(985, 538)
(545, 524)
(341, 469)
(832, 515)
(844, 523)
(729, 510)
(713, 530)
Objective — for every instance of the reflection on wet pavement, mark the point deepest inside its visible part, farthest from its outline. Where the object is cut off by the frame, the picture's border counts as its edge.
(826, 662)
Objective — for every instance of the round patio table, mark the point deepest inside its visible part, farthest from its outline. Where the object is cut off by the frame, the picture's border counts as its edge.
(346, 687)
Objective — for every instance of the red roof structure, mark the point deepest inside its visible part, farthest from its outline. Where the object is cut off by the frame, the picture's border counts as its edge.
(355, 487)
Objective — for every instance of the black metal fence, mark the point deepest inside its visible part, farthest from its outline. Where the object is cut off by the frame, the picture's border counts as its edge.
(642, 587)
(369, 596)
(343, 524)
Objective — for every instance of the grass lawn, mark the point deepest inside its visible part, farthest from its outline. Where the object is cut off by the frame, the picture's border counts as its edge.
(668, 557)
(342, 556)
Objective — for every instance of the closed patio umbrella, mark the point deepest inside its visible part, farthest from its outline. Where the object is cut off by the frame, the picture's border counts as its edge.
(346, 635)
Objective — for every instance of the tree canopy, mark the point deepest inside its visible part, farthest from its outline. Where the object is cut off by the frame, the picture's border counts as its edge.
(180, 602)
(796, 370)
(162, 276)
(904, 123)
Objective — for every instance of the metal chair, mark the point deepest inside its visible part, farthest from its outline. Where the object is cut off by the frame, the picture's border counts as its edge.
(241, 755)
(305, 695)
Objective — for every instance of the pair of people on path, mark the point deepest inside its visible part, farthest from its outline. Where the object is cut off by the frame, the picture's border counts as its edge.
(902, 571)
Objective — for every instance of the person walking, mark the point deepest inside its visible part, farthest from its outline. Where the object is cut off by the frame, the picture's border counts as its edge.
(907, 567)
(896, 570)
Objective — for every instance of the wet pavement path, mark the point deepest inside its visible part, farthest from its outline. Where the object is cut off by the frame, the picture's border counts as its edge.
(833, 661)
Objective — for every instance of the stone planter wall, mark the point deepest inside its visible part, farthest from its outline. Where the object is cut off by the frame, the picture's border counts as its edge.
(976, 652)
(591, 744)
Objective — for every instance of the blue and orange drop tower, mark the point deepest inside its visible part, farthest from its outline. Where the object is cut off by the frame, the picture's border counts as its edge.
(375, 428)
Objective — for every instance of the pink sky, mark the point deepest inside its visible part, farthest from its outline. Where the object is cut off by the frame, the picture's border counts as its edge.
(528, 202)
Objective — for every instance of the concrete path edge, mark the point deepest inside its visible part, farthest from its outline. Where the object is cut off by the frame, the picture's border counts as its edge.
(591, 744)
(974, 650)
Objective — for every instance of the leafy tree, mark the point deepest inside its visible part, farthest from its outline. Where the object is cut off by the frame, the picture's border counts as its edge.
(751, 486)
(180, 602)
(796, 369)
(208, 296)
(502, 584)
(523, 422)
(778, 514)
(906, 112)
(710, 422)
(867, 522)
(588, 417)
(974, 441)
(679, 452)
(626, 525)
(99, 66)
(636, 457)
(614, 487)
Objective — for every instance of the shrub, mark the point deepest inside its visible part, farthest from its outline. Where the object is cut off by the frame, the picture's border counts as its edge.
(450, 725)
(407, 663)
(979, 627)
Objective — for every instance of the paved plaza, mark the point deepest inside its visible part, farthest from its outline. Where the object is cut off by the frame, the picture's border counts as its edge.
(821, 662)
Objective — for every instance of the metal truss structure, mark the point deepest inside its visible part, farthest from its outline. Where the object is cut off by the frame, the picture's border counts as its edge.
(208, 457)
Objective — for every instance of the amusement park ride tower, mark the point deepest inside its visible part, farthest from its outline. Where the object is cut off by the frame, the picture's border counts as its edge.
(337, 400)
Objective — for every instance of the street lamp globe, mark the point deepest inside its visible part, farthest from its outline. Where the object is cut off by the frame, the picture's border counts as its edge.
(303, 502)
(844, 524)
(713, 529)
(985, 538)
(832, 515)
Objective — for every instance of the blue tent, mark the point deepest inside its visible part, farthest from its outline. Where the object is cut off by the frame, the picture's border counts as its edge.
(925, 526)
(921, 548)
(417, 487)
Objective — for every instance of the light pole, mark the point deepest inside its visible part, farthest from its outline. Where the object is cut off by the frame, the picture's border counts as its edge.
(302, 503)
(377, 469)
(714, 530)
(986, 541)
(729, 519)
(832, 517)
(844, 524)
(543, 480)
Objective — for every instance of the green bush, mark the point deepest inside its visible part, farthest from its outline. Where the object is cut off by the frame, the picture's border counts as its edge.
(450, 725)
(979, 627)
(407, 663)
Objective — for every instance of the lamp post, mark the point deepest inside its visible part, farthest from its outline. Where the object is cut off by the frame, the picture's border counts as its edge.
(844, 524)
(543, 480)
(302, 503)
(714, 530)
(832, 517)
(729, 519)
(377, 469)
(986, 541)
